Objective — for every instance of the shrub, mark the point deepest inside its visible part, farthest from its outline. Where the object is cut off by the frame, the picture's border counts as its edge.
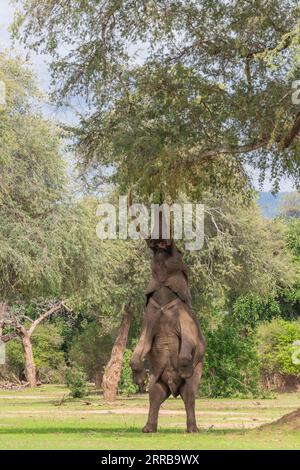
(231, 364)
(14, 358)
(276, 347)
(48, 356)
(250, 309)
(76, 382)
(91, 349)
(126, 385)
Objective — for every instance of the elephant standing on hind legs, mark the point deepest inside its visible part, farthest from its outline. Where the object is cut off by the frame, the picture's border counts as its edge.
(171, 337)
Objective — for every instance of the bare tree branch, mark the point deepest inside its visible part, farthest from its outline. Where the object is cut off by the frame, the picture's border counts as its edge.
(11, 319)
(45, 315)
(198, 155)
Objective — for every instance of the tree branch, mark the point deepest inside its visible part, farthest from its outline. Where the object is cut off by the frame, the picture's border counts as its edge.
(224, 149)
(6, 338)
(293, 132)
(45, 315)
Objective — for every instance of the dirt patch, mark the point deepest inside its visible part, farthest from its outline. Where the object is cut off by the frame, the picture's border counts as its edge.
(290, 421)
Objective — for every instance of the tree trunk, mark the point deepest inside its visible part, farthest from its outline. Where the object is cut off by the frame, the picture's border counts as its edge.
(98, 379)
(113, 368)
(30, 369)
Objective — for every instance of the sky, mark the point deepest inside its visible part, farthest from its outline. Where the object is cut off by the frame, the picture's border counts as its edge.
(38, 62)
(40, 66)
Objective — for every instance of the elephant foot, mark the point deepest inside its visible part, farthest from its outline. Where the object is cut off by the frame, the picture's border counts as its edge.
(192, 428)
(150, 428)
(186, 369)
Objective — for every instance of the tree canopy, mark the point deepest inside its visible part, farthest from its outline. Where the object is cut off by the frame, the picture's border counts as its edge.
(178, 91)
(49, 247)
(32, 187)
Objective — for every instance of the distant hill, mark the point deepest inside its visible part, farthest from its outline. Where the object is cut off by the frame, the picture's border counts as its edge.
(269, 204)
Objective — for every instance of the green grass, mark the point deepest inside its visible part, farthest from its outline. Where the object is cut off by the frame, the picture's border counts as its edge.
(39, 419)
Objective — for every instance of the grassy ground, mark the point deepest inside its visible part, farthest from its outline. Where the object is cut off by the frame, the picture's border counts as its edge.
(45, 418)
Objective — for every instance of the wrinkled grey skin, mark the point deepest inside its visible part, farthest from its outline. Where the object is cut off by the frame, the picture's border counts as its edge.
(171, 338)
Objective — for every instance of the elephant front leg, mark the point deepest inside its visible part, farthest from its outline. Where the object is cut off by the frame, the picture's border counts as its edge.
(186, 358)
(158, 393)
(137, 359)
(138, 374)
(143, 347)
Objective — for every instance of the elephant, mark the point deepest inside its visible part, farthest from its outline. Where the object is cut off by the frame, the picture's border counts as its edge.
(171, 338)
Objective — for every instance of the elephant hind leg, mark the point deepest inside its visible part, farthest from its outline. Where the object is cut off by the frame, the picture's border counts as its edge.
(158, 393)
(188, 394)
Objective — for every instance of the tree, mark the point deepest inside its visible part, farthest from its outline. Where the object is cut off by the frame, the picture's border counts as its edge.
(185, 117)
(237, 280)
(113, 368)
(243, 253)
(49, 248)
(49, 358)
(210, 90)
(15, 323)
(32, 191)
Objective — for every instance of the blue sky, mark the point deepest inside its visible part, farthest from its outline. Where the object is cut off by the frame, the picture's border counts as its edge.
(39, 65)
